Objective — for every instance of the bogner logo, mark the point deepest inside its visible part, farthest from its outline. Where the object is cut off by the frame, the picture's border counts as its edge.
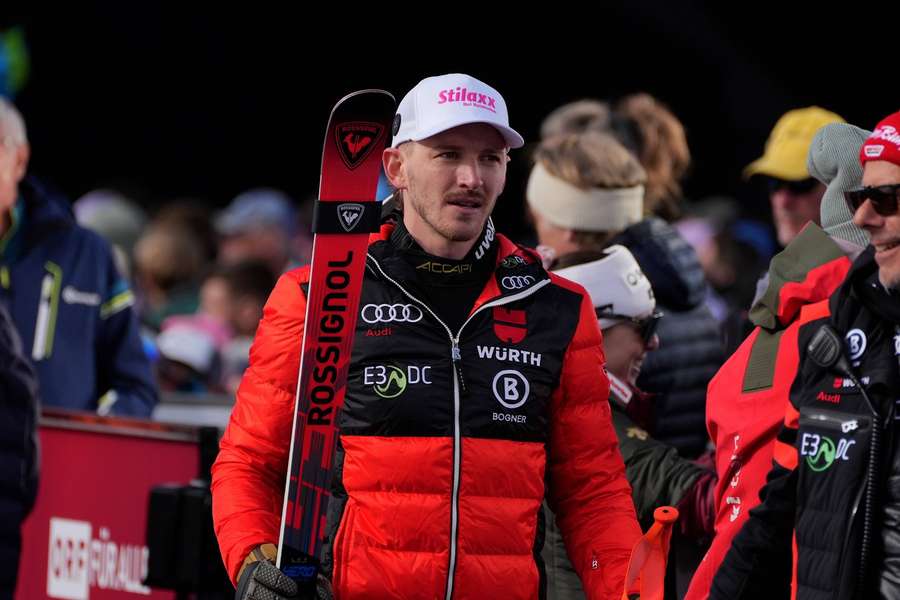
(356, 140)
(511, 390)
(856, 343)
(348, 215)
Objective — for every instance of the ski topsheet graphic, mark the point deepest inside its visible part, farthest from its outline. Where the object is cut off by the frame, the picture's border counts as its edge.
(346, 213)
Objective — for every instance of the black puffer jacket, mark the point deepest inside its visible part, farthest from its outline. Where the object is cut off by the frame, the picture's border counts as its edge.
(690, 349)
(18, 446)
(816, 493)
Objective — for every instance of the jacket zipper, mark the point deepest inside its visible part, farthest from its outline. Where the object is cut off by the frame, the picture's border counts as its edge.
(459, 387)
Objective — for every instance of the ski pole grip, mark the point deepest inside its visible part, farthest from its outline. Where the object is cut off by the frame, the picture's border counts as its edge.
(647, 566)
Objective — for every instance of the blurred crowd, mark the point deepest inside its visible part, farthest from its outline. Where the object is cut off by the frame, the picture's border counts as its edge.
(201, 277)
(119, 304)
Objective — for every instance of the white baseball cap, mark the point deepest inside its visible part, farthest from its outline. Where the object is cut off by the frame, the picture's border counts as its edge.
(443, 102)
(616, 285)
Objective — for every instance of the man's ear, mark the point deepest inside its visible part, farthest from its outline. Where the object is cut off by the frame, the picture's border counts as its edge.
(394, 160)
(23, 151)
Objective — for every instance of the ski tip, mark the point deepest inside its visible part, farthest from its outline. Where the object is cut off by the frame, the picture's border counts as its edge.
(367, 91)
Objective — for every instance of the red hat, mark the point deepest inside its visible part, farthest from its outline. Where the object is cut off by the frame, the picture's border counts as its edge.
(884, 143)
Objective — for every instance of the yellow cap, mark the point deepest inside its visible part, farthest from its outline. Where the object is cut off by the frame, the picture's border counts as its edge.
(788, 144)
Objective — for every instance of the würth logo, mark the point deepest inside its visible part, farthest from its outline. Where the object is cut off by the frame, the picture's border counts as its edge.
(468, 98)
(356, 140)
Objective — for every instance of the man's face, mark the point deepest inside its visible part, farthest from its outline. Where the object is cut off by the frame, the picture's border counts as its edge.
(13, 162)
(884, 231)
(625, 350)
(794, 204)
(450, 184)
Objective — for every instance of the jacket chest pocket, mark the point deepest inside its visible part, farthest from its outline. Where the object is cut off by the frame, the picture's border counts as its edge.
(830, 439)
(833, 450)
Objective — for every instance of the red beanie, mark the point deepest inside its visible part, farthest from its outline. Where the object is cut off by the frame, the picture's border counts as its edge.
(884, 143)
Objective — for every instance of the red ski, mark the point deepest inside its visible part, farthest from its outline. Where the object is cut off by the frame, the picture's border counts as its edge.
(346, 213)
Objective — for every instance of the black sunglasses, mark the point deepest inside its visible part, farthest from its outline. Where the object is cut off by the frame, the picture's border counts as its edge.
(646, 325)
(797, 188)
(884, 198)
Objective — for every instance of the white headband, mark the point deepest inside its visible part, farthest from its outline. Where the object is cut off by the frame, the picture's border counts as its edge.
(571, 207)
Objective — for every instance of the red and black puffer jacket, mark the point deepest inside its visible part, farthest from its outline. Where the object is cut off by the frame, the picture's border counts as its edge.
(443, 463)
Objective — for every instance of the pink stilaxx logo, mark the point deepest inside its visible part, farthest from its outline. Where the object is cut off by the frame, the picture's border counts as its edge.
(468, 98)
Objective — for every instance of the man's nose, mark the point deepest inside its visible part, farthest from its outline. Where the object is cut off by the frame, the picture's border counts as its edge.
(866, 218)
(468, 175)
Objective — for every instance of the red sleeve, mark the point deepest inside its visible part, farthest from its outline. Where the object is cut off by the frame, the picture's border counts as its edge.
(248, 476)
(588, 489)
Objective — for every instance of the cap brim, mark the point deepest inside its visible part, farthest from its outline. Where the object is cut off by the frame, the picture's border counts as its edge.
(510, 136)
(777, 169)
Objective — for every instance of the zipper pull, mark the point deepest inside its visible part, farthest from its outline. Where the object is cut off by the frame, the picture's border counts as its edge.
(456, 356)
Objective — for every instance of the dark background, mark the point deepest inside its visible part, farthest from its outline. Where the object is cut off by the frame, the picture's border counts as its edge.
(171, 101)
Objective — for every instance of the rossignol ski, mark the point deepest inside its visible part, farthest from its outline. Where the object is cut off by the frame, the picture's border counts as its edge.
(346, 213)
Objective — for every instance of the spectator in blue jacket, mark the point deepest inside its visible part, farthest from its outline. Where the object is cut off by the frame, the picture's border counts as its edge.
(18, 449)
(60, 284)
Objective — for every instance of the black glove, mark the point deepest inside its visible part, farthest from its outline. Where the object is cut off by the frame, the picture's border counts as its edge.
(262, 580)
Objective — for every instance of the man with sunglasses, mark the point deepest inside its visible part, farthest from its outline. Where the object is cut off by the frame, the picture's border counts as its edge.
(834, 489)
(794, 194)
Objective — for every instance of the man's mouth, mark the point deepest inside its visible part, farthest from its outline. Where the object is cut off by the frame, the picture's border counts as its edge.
(465, 202)
(885, 246)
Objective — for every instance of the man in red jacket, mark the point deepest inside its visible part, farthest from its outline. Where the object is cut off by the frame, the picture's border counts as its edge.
(747, 398)
(476, 378)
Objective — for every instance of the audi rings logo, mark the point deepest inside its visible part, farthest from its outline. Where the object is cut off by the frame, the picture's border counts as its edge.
(391, 313)
(516, 282)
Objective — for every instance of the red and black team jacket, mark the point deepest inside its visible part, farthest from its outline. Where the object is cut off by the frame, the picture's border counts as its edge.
(449, 439)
